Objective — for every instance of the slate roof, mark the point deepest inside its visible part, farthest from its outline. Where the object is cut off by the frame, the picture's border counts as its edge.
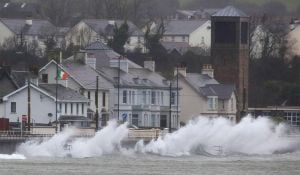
(208, 86)
(230, 11)
(199, 80)
(103, 26)
(85, 75)
(21, 77)
(136, 77)
(182, 27)
(181, 47)
(16, 9)
(63, 93)
(220, 90)
(38, 27)
(7, 85)
(104, 54)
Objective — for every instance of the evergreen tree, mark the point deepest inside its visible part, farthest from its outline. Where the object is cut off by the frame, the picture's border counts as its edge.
(120, 37)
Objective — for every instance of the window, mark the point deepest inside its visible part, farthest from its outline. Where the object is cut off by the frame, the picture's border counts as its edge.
(173, 95)
(162, 97)
(60, 107)
(89, 95)
(244, 33)
(133, 97)
(82, 108)
(129, 97)
(144, 93)
(232, 104)
(45, 78)
(163, 121)
(135, 119)
(172, 38)
(145, 120)
(158, 98)
(183, 38)
(77, 108)
(153, 120)
(153, 97)
(222, 104)
(66, 108)
(103, 99)
(225, 32)
(71, 108)
(211, 103)
(13, 107)
(124, 97)
(202, 40)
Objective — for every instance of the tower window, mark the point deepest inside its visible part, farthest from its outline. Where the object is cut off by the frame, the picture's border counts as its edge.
(244, 33)
(225, 32)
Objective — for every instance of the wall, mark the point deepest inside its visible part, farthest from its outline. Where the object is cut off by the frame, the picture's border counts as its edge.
(204, 32)
(4, 33)
(41, 106)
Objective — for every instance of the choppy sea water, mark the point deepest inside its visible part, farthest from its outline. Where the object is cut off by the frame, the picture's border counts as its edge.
(145, 164)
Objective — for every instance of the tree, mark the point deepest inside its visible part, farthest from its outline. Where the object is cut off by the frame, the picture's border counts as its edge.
(153, 36)
(120, 37)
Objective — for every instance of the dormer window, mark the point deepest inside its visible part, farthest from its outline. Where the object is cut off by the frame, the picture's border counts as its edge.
(211, 102)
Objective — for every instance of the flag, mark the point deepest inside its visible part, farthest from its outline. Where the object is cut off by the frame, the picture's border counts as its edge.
(61, 75)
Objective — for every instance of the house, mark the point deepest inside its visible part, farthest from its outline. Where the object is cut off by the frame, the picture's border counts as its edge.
(91, 30)
(197, 33)
(42, 101)
(291, 114)
(202, 95)
(194, 14)
(82, 79)
(142, 96)
(32, 33)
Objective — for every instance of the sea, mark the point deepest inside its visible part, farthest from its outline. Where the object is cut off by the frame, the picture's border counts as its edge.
(204, 146)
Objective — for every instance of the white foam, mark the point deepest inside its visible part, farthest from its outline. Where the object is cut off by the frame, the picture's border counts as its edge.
(250, 136)
(12, 156)
(105, 141)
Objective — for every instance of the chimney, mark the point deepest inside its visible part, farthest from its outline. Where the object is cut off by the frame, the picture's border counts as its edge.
(150, 65)
(181, 70)
(207, 69)
(90, 60)
(80, 57)
(28, 22)
(123, 63)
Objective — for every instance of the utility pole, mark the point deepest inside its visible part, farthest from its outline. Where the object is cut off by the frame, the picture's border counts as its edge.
(177, 93)
(170, 111)
(119, 67)
(56, 89)
(29, 103)
(96, 103)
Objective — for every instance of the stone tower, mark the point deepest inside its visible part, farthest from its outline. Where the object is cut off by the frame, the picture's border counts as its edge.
(230, 52)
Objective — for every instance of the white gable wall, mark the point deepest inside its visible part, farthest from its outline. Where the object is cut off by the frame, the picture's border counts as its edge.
(5, 33)
(41, 106)
(201, 37)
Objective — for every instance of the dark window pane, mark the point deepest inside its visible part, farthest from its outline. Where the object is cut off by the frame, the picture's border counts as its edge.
(244, 33)
(225, 32)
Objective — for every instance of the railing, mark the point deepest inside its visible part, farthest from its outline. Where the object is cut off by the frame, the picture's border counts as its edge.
(144, 134)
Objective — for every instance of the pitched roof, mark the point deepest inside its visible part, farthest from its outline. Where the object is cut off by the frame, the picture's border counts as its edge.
(136, 77)
(182, 27)
(220, 90)
(63, 93)
(199, 80)
(230, 11)
(181, 47)
(7, 84)
(106, 27)
(85, 75)
(97, 45)
(38, 27)
(208, 86)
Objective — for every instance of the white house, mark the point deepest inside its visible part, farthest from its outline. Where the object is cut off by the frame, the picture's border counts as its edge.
(29, 31)
(82, 78)
(197, 33)
(91, 30)
(43, 110)
(202, 95)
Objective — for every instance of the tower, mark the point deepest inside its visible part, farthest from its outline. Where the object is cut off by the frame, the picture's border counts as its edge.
(230, 52)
